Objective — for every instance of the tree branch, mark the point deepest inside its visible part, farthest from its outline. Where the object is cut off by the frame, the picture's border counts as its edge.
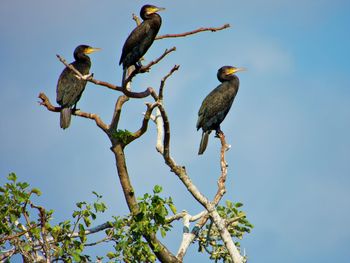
(90, 78)
(46, 103)
(145, 121)
(146, 68)
(202, 29)
(210, 206)
(117, 112)
(162, 83)
(161, 251)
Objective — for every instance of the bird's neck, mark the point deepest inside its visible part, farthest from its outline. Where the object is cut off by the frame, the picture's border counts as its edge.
(154, 17)
(82, 58)
(228, 78)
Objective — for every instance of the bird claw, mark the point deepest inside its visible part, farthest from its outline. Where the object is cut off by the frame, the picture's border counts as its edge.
(85, 77)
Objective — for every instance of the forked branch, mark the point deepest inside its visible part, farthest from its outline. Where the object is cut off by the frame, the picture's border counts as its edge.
(146, 68)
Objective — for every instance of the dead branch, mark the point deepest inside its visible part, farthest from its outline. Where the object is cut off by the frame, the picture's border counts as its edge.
(136, 19)
(46, 103)
(145, 121)
(209, 206)
(146, 68)
(117, 112)
(202, 29)
(222, 179)
(162, 83)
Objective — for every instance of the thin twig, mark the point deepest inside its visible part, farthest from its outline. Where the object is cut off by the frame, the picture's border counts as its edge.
(162, 83)
(136, 19)
(202, 29)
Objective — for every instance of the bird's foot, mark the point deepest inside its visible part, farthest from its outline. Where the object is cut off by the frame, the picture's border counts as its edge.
(85, 77)
(138, 65)
(218, 133)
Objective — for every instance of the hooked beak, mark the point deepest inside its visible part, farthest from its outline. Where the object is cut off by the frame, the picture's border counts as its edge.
(155, 10)
(234, 70)
(90, 50)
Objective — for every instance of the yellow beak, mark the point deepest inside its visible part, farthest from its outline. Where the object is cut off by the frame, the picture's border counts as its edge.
(234, 70)
(90, 50)
(155, 10)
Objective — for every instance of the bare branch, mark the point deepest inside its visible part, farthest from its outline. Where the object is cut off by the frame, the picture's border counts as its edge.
(145, 121)
(162, 83)
(222, 179)
(209, 206)
(136, 19)
(46, 103)
(146, 68)
(117, 112)
(202, 29)
(183, 214)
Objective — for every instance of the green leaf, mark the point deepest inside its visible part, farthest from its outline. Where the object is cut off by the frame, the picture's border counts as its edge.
(36, 191)
(228, 203)
(163, 232)
(99, 207)
(27, 247)
(173, 208)
(12, 177)
(238, 205)
(122, 135)
(110, 255)
(157, 189)
(87, 221)
(76, 257)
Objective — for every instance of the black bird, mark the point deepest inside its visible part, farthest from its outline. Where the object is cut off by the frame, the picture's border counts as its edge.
(69, 87)
(142, 37)
(217, 104)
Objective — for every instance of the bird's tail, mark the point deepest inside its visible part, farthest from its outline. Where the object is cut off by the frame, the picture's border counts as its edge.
(65, 118)
(124, 77)
(204, 142)
(126, 74)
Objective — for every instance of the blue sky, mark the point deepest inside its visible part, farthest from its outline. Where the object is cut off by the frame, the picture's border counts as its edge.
(289, 126)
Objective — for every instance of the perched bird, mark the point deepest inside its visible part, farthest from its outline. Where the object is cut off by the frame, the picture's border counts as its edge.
(69, 87)
(142, 37)
(217, 104)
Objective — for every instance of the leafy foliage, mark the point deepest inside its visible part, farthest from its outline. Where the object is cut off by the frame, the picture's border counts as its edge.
(151, 219)
(122, 135)
(209, 239)
(35, 238)
(32, 235)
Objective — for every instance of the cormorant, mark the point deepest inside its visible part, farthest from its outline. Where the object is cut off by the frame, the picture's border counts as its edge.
(69, 87)
(142, 37)
(217, 104)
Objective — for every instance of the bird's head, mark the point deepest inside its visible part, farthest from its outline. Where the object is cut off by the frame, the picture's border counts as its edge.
(84, 50)
(148, 10)
(226, 72)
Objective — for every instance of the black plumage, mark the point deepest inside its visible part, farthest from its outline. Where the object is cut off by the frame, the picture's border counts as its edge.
(142, 37)
(217, 104)
(69, 87)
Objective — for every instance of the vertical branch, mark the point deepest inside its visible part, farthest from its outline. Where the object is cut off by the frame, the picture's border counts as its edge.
(117, 112)
(162, 253)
